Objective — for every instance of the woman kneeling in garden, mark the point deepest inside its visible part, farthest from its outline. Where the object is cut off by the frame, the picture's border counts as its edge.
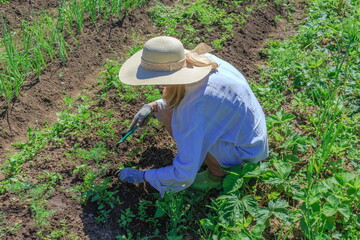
(208, 108)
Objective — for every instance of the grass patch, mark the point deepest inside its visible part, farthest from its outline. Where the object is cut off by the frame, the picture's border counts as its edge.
(45, 39)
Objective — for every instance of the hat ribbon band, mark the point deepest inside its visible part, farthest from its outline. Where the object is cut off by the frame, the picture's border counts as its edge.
(163, 67)
(195, 57)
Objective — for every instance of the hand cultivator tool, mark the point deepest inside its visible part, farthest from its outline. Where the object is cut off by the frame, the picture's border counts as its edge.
(127, 135)
(123, 138)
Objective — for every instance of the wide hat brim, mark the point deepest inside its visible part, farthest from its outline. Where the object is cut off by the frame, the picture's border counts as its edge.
(132, 73)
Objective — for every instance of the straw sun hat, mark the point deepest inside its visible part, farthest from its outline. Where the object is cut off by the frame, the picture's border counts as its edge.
(164, 61)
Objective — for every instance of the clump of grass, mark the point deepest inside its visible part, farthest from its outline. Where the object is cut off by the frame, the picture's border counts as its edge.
(30, 53)
(45, 39)
(106, 9)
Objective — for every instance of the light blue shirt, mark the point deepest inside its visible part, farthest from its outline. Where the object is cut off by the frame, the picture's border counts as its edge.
(219, 115)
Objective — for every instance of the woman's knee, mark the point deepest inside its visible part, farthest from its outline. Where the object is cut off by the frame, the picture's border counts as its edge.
(213, 165)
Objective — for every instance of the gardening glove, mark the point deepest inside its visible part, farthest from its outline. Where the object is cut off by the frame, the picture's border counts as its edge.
(141, 118)
(131, 175)
(206, 181)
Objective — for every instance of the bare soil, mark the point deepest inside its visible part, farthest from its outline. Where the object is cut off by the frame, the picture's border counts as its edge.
(39, 101)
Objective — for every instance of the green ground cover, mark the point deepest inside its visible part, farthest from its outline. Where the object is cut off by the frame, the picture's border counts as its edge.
(28, 50)
(186, 20)
(308, 188)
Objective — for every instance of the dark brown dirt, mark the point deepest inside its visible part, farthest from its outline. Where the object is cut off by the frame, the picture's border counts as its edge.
(39, 102)
(20, 10)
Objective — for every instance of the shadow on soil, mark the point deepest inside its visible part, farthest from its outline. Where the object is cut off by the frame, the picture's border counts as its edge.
(129, 196)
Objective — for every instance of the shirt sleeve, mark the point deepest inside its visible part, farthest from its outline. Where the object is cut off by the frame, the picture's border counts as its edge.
(193, 141)
(161, 110)
(161, 104)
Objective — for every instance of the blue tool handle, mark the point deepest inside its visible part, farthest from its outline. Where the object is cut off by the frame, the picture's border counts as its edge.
(128, 134)
(131, 131)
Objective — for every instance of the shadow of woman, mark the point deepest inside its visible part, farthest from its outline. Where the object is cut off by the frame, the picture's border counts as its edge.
(106, 223)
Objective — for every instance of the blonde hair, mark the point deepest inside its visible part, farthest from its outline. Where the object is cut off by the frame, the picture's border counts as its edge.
(173, 95)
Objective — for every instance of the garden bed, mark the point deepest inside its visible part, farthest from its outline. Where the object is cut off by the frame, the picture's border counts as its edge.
(39, 101)
(57, 137)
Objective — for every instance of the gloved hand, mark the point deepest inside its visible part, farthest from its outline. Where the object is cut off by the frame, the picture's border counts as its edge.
(141, 118)
(131, 175)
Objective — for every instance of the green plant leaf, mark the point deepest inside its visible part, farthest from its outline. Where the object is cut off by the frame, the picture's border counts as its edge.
(329, 210)
(159, 213)
(291, 158)
(278, 204)
(283, 215)
(233, 209)
(250, 204)
(95, 198)
(274, 180)
(285, 117)
(283, 168)
(357, 183)
(304, 225)
(280, 117)
(250, 170)
(236, 170)
(232, 183)
(101, 206)
(316, 191)
(262, 214)
(333, 200)
(258, 229)
(344, 178)
(207, 224)
(329, 224)
(345, 211)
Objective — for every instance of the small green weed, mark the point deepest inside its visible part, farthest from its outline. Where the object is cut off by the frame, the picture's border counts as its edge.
(40, 213)
(6, 229)
(143, 215)
(97, 153)
(126, 217)
(177, 207)
(103, 197)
